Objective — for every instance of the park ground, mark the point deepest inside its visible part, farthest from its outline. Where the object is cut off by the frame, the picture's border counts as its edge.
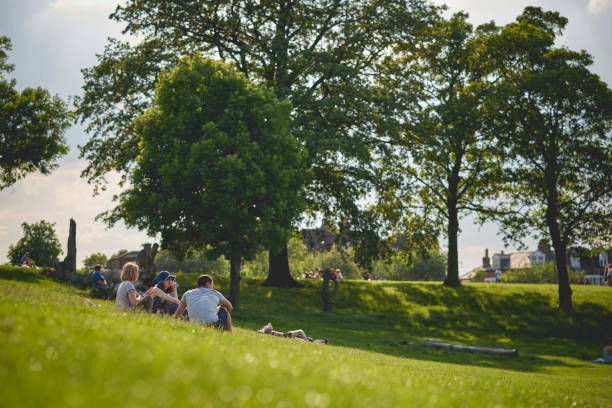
(60, 351)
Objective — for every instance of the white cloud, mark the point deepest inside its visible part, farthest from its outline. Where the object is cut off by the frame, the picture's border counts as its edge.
(57, 198)
(83, 5)
(597, 6)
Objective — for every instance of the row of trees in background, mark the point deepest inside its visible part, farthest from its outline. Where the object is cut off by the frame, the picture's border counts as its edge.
(401, 266)
(431, 117)
(380, 118)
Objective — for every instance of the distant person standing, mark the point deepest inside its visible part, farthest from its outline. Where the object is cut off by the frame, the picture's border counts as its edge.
(205, 305)
(608, 275)
(498, 276)
(99, 284)
(128, 297)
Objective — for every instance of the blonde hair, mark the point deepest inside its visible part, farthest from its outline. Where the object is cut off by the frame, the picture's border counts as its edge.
(129, 272)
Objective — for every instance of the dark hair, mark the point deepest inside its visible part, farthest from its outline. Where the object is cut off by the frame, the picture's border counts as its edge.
(203, 280)
(160, 285)
(98, 267)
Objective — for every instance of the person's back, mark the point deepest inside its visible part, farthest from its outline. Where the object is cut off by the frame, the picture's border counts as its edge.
(97, 279)
(202, 304)
(206, 305)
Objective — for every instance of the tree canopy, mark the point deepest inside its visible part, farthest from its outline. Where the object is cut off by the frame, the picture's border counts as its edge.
(40, 241)
(32, 126)
(218, 168)
(553, 118)
(443, 158)
(321, 55)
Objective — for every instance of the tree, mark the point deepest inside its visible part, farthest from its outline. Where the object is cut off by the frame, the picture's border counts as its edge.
(321, 55)
(32, 126)
(40, 240)
(119, 253)
(442, 153)
(554, 121)
(94, 259)
(218, 168)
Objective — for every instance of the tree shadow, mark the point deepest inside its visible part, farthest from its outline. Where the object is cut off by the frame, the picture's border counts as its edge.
(396, 319)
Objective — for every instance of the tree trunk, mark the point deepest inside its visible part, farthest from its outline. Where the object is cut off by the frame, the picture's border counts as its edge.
(278, 272)
(234, 291)
(559, 242)
(565, 291)
(452, 272)
(327, 294)
(560, 246)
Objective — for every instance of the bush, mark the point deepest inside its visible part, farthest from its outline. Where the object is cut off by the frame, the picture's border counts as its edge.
(412, 267)
(545, 273)
(300, 261)
(197, 263)
(431, 267)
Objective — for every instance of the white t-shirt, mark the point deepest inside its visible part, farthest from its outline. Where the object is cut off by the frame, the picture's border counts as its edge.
(122, 301)
(202, 304)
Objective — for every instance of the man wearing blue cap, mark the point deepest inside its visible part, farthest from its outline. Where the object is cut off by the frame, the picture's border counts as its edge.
(165, 297)
(205, 305)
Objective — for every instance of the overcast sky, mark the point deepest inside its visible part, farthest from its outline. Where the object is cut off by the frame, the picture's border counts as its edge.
(53, 40)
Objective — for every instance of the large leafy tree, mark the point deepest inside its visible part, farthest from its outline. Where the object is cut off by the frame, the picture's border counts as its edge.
(40, 240)
(218, 168)
(554, 121)
(32, 126)
(321, 55)
(444, 157)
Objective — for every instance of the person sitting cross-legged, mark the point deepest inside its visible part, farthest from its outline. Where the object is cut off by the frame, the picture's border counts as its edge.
(205, 305)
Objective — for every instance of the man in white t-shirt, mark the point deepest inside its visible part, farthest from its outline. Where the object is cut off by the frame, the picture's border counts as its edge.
(205, 305)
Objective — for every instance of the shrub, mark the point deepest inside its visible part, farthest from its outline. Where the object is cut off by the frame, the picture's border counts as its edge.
(545, 273)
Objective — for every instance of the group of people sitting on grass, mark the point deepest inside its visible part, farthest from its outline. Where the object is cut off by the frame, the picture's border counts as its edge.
(202, 305)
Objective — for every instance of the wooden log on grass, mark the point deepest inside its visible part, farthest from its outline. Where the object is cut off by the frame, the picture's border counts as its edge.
(457, 347)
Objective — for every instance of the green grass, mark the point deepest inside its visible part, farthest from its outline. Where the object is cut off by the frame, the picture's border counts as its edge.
(59, 352)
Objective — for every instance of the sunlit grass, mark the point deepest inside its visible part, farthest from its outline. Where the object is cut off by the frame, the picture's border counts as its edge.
(59, 352)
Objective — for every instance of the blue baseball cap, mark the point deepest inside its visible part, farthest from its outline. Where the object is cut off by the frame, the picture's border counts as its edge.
(162, 276)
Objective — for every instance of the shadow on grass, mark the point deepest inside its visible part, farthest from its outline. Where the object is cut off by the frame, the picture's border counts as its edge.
(386, 317)
(382, 318)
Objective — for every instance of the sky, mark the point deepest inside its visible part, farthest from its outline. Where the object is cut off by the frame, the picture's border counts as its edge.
(54, 39)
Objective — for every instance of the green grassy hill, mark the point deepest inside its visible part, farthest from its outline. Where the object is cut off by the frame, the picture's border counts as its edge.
(59, 352)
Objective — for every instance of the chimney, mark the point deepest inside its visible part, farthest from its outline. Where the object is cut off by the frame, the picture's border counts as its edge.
(486, 262)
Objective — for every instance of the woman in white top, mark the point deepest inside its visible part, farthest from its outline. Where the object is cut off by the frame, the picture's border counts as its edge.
(127, 296)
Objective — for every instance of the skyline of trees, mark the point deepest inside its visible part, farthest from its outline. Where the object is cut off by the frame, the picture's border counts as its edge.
(493, 120)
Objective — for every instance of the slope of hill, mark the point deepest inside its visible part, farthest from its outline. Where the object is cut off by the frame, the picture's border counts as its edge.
(59, 351)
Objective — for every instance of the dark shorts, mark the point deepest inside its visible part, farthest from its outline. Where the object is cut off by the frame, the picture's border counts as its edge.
(222, 322)
(164, 307)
